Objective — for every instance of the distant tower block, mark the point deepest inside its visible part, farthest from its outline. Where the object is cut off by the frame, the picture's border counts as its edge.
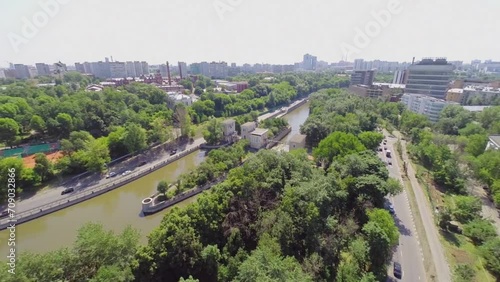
(168, 73)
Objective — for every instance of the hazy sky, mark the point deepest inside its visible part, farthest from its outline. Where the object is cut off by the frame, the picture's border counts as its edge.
(247, 31)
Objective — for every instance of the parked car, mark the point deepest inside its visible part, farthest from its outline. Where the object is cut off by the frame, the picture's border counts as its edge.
(398, 272)
(142, 163)
(67, 191)
(111, 174)
(385, 148)
(127, 172)
(173, 152)
(389, 162)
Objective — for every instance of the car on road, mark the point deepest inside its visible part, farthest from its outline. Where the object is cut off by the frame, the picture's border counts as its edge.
(111, 174)
(67, 191)
(127, 172)
(391, 208)
(385, 148)
(389, 162)
(142, 163)
(173, 152)
(4, 214)
(398, 272)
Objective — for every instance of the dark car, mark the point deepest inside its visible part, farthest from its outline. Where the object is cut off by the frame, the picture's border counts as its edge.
(389, 162)
(67, 190)
(142, 163)
(391, 209)
(398, 272)
(4, 214)
(173, 152)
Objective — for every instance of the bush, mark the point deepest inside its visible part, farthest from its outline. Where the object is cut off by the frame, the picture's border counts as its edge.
(479, 231)
(491, 253)
(464, 273)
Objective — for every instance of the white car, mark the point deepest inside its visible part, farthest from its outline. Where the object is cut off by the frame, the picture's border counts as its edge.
(127, 172)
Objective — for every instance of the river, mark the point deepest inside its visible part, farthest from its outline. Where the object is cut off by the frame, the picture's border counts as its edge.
(115, 209)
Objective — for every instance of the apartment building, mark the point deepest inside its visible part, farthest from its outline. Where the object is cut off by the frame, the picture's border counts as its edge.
(425, 105)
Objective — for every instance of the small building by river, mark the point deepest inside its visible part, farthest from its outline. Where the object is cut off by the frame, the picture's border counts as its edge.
(298, 141)
(258, 138)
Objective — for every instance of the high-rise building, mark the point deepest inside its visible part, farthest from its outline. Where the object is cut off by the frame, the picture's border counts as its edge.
(183, 70)
(364, 77)
(145, 68)
(117, 70)
(101, 69)
(425, 105)
(130, 69)
(309, 62)
(138, 68)
(195, 68)
(42, 69)
(22, 71)
(400, 77)
(429, 77)
(80, 67)
(358, 64)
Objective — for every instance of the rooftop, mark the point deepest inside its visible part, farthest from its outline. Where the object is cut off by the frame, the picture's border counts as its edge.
(495, 139)
(250, 123)
(298, 138)
(228, 121)
(260, 131)
(456, 90)
(475, 108)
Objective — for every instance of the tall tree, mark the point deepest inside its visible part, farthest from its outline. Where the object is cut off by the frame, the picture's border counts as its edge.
(9, 129)
(213, 133)
(135, 138)
(43, 167)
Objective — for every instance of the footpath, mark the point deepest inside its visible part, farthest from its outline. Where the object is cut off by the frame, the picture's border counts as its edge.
(427, 216)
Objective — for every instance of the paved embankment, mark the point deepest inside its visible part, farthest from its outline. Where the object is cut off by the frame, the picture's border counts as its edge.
(90, 193)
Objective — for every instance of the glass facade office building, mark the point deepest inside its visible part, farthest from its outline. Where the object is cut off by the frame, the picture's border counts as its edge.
(429, 77)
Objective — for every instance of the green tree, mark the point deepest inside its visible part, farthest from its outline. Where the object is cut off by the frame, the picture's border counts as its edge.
(97, 155)
(476, 144)
(9, 129)
(43, 167)
(370, 139)
(466, 208)
(337, 144)
(38, 124)
(491, 253)
(162, 187)
(135, 138)
(65, 122)
(267, 264)
(385, 221)
(479, 231)
(213, 133)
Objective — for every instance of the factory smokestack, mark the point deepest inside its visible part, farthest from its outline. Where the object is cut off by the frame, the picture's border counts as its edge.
(180, 69)
(168, 73)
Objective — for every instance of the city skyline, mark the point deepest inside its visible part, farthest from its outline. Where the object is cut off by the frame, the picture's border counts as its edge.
(225, 30)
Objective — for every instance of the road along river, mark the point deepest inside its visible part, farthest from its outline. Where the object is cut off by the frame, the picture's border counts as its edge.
(115, 209)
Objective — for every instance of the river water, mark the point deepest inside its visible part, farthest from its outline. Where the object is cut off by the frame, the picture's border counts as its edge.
(115, 209)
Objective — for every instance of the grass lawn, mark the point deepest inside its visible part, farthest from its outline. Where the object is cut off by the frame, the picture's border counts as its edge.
(459, 250)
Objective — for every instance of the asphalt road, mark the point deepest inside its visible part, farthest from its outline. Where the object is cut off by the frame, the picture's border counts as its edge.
(408, 253)
(54, 194)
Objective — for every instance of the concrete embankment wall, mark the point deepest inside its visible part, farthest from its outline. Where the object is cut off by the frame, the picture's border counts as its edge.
(278, 137)
(181, 197)
(89, 194)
